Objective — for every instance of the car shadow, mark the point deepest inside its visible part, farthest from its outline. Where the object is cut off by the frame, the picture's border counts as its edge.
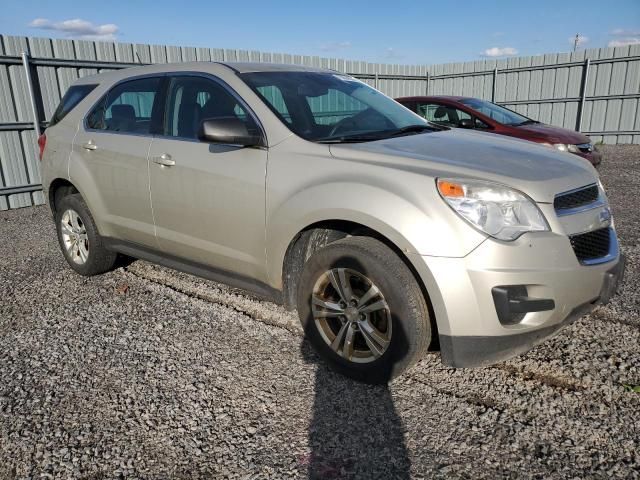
(355, 431)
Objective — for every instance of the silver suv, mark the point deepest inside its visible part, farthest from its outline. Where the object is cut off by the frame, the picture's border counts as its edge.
(308, 187)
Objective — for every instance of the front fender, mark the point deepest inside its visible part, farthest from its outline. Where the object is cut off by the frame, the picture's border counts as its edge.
(413, 228)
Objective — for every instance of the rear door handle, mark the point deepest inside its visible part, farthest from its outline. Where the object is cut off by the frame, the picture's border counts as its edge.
(89, 145)
(165, 160)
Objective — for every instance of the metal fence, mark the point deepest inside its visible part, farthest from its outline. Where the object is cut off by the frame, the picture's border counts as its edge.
(595, 91)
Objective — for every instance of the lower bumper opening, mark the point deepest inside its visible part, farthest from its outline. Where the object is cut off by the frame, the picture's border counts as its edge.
(513, 303)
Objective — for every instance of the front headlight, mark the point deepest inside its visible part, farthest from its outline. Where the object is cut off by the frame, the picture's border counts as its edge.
(567, 147)
(494, 209)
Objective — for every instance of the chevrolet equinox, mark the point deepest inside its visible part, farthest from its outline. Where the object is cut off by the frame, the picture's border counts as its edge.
(305, 186)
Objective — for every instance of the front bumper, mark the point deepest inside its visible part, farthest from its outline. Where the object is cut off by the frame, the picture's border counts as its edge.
(595, 157)
(471, 334)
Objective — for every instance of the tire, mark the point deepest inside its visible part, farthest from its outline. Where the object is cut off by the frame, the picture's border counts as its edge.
(79, 240)
(364, 264)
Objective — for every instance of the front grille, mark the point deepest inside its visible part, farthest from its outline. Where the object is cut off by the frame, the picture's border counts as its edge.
(585, 147)
(576, 198)
(591, 245)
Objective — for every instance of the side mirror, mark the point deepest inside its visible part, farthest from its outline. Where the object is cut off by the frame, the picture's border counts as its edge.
(230, 131)
(466, 123)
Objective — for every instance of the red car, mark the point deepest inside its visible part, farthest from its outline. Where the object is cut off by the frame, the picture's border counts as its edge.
(467, 112)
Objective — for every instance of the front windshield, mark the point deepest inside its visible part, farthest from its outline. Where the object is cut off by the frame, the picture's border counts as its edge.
(496, 112)
(326, 107)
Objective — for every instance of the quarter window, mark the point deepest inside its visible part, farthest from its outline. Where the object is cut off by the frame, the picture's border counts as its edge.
(128, 107)
(73, 97)
(195, 99)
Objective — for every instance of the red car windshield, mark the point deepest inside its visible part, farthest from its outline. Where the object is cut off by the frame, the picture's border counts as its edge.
(496, 112)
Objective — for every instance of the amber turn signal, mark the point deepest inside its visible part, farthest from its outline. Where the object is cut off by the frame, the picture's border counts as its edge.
(450, 189)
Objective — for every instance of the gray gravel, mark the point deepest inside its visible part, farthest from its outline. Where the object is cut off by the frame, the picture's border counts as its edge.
(148, 373)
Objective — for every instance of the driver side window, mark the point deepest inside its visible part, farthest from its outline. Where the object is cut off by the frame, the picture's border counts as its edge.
(195, 99)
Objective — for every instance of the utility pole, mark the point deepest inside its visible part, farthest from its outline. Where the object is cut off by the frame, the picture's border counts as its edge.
(576, 42)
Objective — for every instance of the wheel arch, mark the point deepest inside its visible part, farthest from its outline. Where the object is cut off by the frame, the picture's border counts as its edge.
(321, 233)
(59, 188)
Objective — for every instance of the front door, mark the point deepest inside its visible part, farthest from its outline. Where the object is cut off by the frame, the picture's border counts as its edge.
(109, 160)
(208, 199)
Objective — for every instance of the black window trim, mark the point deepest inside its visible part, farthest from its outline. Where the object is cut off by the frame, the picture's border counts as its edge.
(166, 77)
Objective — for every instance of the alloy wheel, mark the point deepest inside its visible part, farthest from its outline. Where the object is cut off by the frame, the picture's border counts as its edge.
(351, 315)
(74, 236)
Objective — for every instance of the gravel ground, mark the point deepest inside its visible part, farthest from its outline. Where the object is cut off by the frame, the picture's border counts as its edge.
(148, 373)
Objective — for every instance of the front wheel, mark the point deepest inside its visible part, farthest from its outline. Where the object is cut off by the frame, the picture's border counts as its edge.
(362, 309)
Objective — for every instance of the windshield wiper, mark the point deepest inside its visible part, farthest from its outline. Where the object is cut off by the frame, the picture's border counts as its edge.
(381, 135)
(526, 122)
(350, 139)
(410, 129)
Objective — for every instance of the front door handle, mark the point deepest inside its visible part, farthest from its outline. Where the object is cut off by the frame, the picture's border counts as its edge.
(165, 160)
(89, 145)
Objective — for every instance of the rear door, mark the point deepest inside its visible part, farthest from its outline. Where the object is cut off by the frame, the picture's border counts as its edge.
(208, 199)
(110, 160)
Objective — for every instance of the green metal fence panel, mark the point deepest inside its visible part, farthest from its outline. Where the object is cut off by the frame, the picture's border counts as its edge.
(548, 88)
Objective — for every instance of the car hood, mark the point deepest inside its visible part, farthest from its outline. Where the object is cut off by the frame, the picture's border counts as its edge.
(551, 134)
(539, 171)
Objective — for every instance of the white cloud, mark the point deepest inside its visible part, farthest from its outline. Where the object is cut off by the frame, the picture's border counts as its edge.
(624, 42)
(499, 52)
(78, 28)
(391, 53)
(582, 39)
(621, 32)
(335, 46)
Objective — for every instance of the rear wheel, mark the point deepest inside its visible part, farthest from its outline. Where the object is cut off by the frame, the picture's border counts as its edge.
(82, 246)
(363, 310)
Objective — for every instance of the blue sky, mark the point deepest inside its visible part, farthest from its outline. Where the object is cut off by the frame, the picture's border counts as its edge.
(393, 31)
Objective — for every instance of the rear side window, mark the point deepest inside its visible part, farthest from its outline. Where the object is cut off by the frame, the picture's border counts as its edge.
(73, 97)
(128, 107)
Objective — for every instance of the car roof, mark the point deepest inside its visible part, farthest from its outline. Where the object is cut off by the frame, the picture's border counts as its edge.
(422, 98)
(246, 67)
(238, 67)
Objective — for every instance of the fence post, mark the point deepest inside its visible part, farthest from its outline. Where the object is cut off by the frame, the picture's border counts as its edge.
(495, 84)
(32, 93)
(427, 86)
(583, 93)
(375, 81)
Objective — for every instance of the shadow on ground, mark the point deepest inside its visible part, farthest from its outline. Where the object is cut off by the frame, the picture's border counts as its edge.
(355, 431)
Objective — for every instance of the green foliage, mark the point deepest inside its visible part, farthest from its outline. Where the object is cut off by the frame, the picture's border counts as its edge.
(632, 388)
